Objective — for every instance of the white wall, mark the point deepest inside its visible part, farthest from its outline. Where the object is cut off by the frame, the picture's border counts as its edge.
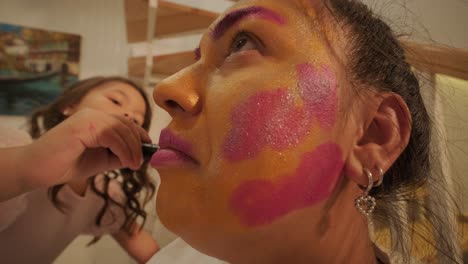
(439, 21)
(100, 23)
(455, 108)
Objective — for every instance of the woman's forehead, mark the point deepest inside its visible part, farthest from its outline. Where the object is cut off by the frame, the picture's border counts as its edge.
(300, 6)
(286, 12)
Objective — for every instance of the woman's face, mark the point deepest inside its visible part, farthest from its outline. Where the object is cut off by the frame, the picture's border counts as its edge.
(256, 140)
(117, 98)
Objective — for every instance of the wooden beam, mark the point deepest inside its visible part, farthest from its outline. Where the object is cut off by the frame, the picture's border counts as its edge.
(171, 19)
(437, 59)
(164, 65)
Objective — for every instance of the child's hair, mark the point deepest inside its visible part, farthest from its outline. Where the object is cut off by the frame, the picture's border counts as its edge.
(376, 59)
(134, 183)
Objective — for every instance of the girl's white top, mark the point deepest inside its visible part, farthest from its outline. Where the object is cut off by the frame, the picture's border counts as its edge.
(179, 252)
(33, 230)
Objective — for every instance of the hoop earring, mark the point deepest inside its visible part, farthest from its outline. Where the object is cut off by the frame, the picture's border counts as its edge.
(381, 175)
(365, 203)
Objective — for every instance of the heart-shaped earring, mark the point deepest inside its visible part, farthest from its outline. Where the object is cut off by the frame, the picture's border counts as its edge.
(366, 203)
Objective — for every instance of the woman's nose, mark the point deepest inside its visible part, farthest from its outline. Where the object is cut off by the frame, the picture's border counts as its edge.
(179, 94)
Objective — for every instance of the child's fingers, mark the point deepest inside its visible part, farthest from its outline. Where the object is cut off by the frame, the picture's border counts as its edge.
(120, 135)
(113, 163)
(129, 132)
(144, 135)
(117, 144)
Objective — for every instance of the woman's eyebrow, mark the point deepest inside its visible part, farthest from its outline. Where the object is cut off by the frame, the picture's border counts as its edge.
(237, 15)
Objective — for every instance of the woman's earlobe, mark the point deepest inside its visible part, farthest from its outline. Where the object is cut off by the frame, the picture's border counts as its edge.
(382, 141)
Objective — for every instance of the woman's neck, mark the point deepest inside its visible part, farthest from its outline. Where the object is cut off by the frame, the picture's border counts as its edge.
(342, 236)
(349, 243)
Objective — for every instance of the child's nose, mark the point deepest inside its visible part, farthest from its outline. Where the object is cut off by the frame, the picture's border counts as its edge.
(128, 116)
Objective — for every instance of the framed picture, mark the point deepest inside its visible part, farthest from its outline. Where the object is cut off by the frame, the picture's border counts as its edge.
(35, 65)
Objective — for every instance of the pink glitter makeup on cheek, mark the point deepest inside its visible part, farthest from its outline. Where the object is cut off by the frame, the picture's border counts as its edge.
(317, 87)
(259, 202)
(271, 118)
(266, 118)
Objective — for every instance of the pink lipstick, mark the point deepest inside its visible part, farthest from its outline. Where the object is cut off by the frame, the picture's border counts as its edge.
(173, 150)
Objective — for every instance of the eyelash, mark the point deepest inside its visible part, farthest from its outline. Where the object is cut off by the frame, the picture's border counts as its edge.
(252, 37)
(115, 101)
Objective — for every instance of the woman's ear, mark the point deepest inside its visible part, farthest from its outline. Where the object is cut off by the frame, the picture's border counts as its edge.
(385, 134)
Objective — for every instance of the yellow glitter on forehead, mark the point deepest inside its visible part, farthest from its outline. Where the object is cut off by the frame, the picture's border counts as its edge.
(309, 8)
(319, 20)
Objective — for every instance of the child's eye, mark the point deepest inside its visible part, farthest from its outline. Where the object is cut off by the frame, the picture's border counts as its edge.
(244, 41)
(115, 101)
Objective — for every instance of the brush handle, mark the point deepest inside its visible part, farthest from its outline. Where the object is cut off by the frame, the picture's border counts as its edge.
(148, 150)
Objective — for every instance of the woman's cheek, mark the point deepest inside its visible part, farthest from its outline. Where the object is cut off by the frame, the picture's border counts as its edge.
(275, 121)
(274, 118)
(262, 201)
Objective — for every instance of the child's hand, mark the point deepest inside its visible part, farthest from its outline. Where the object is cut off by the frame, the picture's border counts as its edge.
(87, 143)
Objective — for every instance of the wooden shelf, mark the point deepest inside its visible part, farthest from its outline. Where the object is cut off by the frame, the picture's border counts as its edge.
(437, 59)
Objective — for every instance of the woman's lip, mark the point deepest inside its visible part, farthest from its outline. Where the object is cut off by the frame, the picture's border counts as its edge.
(168, 156)
(173, 150)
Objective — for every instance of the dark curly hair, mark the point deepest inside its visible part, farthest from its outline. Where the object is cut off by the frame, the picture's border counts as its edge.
(134, 183)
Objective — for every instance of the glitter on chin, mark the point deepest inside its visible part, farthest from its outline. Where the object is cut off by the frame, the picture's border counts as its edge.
(260, 202)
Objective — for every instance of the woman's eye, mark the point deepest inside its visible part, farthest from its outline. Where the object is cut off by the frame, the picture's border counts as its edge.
(242, 42)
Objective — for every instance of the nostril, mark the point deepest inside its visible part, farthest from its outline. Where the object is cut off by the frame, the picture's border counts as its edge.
(174, 105)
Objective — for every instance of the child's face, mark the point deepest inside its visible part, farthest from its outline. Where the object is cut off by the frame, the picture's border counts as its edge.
(258, 113)
(115, 98)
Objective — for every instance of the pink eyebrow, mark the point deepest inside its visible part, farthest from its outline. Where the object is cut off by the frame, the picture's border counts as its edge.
(235, 16)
